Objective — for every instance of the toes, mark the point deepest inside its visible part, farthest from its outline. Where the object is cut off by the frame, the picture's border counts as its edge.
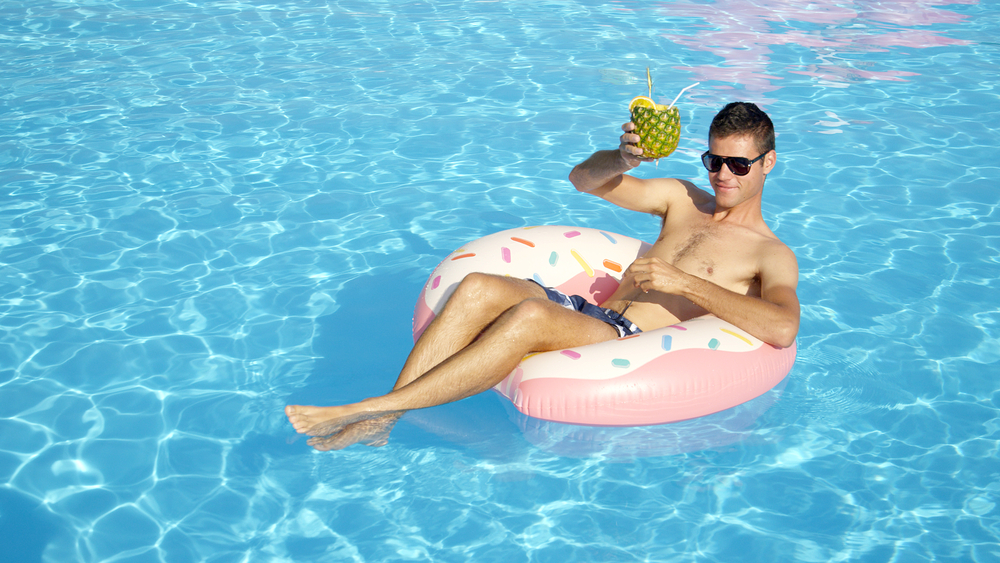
(299, 421)
(327, 443)
(320, 443)
(378, 443)
(300, 425)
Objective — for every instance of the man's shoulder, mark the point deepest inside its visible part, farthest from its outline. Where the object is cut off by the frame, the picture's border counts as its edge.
(762, 237)
(760, 240)
(775, 244)
(774, 253)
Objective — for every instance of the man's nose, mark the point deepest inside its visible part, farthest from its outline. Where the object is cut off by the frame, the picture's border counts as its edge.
(724, 173)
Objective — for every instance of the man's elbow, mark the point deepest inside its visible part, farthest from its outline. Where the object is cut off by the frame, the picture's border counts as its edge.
(784, 334)
(577, 178)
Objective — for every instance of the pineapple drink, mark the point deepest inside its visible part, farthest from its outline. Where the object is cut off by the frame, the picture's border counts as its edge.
(658, 126)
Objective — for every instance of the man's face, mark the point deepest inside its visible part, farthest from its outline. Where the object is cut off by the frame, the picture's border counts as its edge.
(730, 189)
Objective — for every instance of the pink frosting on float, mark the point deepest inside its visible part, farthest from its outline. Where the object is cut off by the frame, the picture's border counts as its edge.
(596, 289)
(422, 315)
(676, 386)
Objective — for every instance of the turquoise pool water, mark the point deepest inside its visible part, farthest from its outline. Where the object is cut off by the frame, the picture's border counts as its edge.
(200, 201)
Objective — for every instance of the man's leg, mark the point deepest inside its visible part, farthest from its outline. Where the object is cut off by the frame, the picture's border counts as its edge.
(533, 325)
(477, 301)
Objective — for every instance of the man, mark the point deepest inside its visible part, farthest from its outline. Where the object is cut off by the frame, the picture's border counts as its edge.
(714, 255)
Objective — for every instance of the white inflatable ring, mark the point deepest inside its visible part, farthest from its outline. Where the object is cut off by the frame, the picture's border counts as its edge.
(691, 369)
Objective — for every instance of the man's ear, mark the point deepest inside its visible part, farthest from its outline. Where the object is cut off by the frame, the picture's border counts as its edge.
(769, 161)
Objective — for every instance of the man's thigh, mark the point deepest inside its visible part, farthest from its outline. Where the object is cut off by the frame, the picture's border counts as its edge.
(503, 292)
(556, 327)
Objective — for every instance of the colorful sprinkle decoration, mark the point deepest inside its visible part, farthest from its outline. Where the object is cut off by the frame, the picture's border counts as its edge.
(740, 336)
(583, 263)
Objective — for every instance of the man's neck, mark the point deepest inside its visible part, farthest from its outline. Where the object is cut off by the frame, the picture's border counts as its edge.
(746, 213)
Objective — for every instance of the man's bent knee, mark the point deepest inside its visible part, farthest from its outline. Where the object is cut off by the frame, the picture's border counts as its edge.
(477, 282)
(535, 310)
(542, 325)
(489, 288)
(535, 316)
(475, 288)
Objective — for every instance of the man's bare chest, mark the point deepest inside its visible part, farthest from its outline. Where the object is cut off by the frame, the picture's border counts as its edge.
(723, 256)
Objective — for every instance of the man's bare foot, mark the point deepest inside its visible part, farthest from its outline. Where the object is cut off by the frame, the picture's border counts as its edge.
(323, 421)
(370, 432)
(335, 428)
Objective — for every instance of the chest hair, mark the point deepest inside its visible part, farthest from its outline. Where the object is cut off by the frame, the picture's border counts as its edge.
(691, 245)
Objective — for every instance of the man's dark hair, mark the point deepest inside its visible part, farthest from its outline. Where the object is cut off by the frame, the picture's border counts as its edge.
(744, 119)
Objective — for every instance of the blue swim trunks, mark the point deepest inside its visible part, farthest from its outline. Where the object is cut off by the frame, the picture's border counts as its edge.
(624, 326)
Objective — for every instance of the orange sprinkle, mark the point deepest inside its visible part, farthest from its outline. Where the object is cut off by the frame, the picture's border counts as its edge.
(460, 256)
(613, 266)
(522, 241)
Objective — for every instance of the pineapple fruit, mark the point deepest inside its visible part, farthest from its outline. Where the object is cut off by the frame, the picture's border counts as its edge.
(658, 126)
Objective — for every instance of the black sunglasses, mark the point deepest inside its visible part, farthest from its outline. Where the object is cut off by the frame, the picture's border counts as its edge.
(737, 164)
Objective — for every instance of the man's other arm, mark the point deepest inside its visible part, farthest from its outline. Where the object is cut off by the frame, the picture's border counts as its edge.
(773, 317)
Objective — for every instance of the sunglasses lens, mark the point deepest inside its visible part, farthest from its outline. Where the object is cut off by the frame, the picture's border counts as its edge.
(739, 167)
(712, 163)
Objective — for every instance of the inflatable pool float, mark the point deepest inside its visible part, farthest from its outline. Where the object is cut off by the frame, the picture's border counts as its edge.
(688, 370)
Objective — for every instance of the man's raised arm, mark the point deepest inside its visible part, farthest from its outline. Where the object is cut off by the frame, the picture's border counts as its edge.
(604, 174)
(604, 169)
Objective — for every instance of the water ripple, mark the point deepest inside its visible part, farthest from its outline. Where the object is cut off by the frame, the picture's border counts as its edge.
(207, 207)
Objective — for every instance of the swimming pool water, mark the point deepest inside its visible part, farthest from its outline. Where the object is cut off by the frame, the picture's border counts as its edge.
(213, 209)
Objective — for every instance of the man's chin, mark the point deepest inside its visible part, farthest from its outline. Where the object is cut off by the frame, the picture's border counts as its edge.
(723, 195)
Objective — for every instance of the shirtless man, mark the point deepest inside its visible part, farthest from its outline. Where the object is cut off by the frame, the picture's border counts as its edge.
(714, 255)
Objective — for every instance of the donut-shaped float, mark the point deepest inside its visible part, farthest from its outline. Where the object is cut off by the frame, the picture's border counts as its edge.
(687, 370)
